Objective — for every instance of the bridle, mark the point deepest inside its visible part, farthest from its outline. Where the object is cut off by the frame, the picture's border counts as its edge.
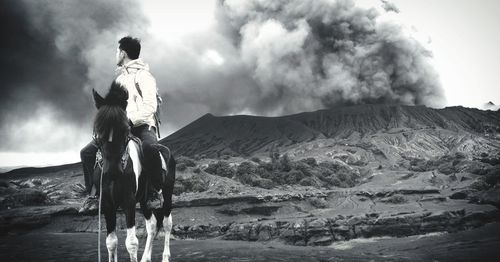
(124, 152)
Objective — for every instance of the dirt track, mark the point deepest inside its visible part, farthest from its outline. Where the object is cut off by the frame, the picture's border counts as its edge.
(479, 244)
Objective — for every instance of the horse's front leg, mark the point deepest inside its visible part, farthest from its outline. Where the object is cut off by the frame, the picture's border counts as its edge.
(132, 243)
(167, 226)
(151, 229)
(167, 208)
(111, 239)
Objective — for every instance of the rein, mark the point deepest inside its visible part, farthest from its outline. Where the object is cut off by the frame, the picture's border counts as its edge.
(99, 219)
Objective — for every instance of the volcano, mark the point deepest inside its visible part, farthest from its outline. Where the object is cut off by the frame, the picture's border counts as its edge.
(244, 135)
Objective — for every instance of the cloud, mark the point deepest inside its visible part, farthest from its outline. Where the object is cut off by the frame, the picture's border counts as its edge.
(42, 132)
(54, 52)
(306, 55)
(389, 6)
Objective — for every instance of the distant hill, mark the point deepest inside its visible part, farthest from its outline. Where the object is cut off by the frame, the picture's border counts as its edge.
(245, 135)
(29, 171)
(490, 106)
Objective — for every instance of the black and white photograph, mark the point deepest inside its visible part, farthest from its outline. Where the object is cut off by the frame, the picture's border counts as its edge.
(249, 130)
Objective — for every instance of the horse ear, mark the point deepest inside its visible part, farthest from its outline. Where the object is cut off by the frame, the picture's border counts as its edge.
(98, 100)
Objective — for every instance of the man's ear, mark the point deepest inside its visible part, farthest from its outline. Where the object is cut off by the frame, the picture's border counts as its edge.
(123, 54)
(98, 100)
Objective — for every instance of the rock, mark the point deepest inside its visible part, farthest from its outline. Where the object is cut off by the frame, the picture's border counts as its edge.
(430, 190)
(394, 199)
(491, 197)
(342, 232)
(24, 197)
(317, 223)
(433, 198)
(61, 195)
(198, 231)
(356, 220)
(31, 217)
(320, 240)
(268, 231)
(4, 183)
(79, 189)
(365, 194)
(318, 232)
(253, 234)
(27, 184)
(459, 195)
(294, 233)
(443, 216)
(192, 201)
(238, 232)
(300, 242)
(89, 207)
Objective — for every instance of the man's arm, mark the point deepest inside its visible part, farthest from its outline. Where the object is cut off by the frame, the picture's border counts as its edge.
(148, 104)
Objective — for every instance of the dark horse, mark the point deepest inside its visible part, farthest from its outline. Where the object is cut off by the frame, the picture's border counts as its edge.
(123, 185)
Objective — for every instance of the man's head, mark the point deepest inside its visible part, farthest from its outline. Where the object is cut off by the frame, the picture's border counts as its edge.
(129, 49)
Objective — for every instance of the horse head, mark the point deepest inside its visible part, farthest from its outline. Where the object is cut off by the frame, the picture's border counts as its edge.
(111, 128)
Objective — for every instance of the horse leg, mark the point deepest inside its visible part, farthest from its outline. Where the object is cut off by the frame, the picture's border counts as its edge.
(167, 225)
(167, 191)
(151, 229)
(111, 239)
(166, 212)
(131, 242)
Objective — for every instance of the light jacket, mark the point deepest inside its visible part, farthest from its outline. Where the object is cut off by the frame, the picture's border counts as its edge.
(140, 109)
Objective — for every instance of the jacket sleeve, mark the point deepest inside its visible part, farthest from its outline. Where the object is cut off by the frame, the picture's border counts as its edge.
(147, 105)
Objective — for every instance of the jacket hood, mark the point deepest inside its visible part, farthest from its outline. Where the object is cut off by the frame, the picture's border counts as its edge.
(133, 66)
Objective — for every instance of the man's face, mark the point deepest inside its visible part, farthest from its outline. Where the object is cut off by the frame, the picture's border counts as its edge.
(120, 54)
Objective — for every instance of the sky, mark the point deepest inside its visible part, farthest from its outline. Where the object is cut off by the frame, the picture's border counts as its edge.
(236, 57)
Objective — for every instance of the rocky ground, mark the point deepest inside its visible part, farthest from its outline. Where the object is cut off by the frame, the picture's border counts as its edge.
(480, 244)
(383, 204)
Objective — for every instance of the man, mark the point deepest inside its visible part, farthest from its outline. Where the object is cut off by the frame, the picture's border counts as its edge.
(134, 75)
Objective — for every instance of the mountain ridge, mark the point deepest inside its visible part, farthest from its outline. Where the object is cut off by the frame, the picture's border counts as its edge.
(245, 135)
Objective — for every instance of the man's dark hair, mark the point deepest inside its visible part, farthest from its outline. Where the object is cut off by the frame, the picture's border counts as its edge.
(131, 46)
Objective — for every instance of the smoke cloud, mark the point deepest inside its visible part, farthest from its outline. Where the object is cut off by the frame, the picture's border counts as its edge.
(311, 54)
(53, 53)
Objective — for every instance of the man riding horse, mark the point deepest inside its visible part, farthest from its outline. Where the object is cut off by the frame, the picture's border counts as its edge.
(133, 74)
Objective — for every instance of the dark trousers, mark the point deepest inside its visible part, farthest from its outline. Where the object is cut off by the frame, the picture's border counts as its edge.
(87, 155)
(152, 160)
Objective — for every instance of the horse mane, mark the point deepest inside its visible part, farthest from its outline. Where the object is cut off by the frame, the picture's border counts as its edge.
(111, 114)
(111, 117)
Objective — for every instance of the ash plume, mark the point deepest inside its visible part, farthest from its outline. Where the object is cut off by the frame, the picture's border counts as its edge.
(312, 54)
(389, 6)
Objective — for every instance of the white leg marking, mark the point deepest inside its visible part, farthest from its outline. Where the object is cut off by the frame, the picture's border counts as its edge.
(151, 229)
(136, 164)
(167, 225)
(112, 245)
(163, 162)
(132, 244)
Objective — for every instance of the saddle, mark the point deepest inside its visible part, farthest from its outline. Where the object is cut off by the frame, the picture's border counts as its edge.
(147, 186)
(125, 156)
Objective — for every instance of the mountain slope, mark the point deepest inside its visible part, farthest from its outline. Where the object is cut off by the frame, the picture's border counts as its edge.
(245, 135)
